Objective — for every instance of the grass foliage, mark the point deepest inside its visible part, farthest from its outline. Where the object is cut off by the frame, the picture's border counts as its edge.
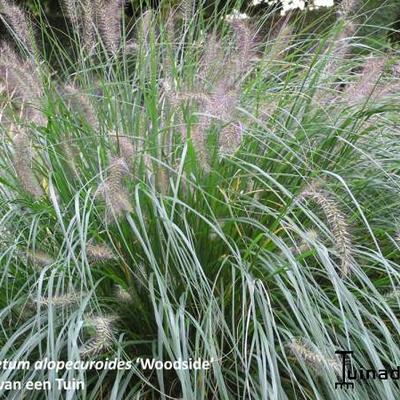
(182, 187)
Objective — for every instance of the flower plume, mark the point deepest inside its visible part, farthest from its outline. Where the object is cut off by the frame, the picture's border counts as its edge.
(337, 222)
(22, 84)
(19, 24)
(125, 147)
(299, 348)
(364, 87)
(113, 192)
(103, 337)
(99, 252)
(109, 14)
(79, 102)
(23, 165)
(66, 300)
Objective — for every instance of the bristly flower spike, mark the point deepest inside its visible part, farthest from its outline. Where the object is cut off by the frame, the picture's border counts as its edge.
(23, 165)
(299, 348)
(337, 222)
(113, 192)
(19, 24)
(109, 15)
(103, 338)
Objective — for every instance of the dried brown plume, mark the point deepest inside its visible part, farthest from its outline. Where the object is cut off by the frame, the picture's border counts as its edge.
(23, 165)
(22, 83)
(113, 191)
(366, 85)
(108, 17)
(19, 23)
(80, 103)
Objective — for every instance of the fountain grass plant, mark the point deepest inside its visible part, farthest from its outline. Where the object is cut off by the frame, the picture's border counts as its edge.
(183, 187)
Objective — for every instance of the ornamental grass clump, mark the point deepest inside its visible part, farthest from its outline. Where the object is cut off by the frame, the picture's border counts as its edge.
(170, 190)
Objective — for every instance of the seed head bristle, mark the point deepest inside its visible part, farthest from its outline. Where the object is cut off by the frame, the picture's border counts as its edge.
(19, 23)
(39, 258)
(113, 192)
(245, 45)
(340, 48)
(171, 39)
(145, 27)
(304, 245)
(109, 15)
(122, 295)
(187, 8)
(230, 139)
(281, 42)
(223, 101)
(199, 140)
(72, 10)
(337, 222)
(212, 59)
(125, 147)
(299, 348)
(23, 165)
(364, 87)
(348, 8)
(99, 253)
(66, 300)
(70, 155)
(22, 84)
(89, 24)
(162, 179)
(103, 338)
(79, 102)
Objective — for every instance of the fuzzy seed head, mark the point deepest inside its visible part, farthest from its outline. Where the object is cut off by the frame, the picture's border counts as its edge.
(347, 8)
(39, 259)
(187, 8)
(245, 45)
(300, 349)
(99, 253)
(125, 147)
(23, 165)
(113, 192)
(19, 23)
(340, 49)
(103, 338)
(63, 301)
(71, 9)
(337, 222)
(22, 83)
(230, 139)
(89, 24)
(109, 15)
(122, 295)
(362, 89)
(79, 102)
